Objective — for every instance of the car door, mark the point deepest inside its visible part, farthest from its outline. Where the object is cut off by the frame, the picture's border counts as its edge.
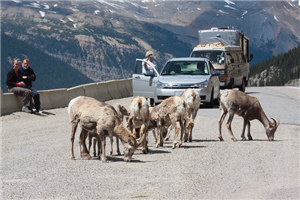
(143, 84)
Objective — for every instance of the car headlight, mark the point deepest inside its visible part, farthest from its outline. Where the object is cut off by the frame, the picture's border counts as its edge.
(162, 85)
(203, 84)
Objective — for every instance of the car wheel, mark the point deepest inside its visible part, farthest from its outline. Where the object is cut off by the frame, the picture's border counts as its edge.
(243, 86)
(230, 85)
(152, 102)
(210, 104)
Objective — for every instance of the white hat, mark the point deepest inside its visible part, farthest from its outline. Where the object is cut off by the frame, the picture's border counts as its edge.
(149, 53)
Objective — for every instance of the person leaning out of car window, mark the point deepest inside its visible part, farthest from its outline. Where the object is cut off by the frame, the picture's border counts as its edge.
(148, 66)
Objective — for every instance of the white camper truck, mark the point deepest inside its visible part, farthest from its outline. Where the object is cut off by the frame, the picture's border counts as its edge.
(228, 51)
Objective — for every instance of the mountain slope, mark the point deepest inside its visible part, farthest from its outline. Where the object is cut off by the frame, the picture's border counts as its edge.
(102, 39)
(283, 69)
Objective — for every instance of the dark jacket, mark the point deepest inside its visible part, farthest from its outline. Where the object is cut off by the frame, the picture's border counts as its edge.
(12, 78)
(27, 72)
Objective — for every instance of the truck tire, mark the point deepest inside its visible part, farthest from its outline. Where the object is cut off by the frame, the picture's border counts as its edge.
(243, 86)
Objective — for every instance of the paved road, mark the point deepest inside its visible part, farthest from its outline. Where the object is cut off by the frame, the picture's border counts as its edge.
(36, 160)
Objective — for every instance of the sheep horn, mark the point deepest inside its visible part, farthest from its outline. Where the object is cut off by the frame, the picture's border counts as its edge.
(276, 123)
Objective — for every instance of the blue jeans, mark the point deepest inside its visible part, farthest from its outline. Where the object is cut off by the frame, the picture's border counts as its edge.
(36, 97)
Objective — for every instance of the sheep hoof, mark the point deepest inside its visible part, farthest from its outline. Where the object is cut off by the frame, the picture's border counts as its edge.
(250, 138)
(103, 159)
(234, 139)
(145, 151)
(243, 138)
(221, 139)
(190, 139)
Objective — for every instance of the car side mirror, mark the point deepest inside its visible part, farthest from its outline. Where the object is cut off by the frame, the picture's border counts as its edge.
(216, 73)
(251, 57)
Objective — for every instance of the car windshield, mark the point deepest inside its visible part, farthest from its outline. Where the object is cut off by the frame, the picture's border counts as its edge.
(213, 56)
(185, 67)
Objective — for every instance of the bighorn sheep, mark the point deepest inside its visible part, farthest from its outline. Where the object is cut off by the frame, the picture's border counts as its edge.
(192, 100)
(100, 118)
(139, 118)
(122, 111)
(248, 107)
(168, 112)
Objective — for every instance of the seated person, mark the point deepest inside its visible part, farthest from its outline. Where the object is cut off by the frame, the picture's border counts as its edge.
(28, 76)
(15, 84)
(176, 69)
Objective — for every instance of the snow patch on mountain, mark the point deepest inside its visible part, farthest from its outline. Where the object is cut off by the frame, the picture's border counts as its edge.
(42, 13)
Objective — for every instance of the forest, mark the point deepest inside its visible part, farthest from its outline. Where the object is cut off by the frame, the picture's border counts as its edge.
(278, 70)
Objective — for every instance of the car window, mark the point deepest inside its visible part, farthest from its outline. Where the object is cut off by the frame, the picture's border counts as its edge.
(242, 58)
(232, 58)
(213, 56)
(185, 67)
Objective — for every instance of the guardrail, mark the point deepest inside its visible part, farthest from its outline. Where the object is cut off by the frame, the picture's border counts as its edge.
(57, 98)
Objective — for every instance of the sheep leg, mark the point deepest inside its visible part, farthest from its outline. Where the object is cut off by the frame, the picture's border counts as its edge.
(94, 146)
(182, 128)
(176, 135)
(90, 143)
(159, 134)
(83, 136)
(187, 126)
(192, 125)
(111, 144)
(244, 127)
(169, 133)
(221, 119)
(154, 135)
(228, 124)
(144, 144)
(74, 127)
(248, 134)
(118, 147)
(103, 144)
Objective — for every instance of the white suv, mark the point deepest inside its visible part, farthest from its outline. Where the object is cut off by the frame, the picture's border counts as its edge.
(177, 75)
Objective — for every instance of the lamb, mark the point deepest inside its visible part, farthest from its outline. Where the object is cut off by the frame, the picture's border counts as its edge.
(100, 118)
(248, 107)
(122, 111)
(192, 100)
(168, 112)
(139, 118)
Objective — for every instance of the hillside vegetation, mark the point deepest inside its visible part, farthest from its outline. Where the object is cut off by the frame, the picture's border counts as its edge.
(280, 70)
